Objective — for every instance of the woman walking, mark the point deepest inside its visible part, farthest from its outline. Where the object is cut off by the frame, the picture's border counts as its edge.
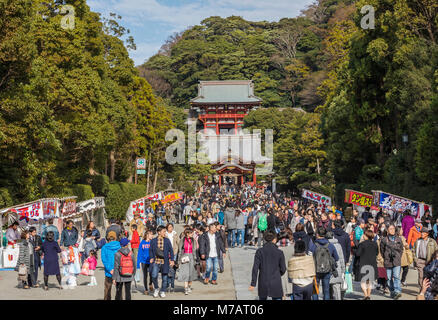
(240, 228)
(187, 259)
(51, 249)
(406, 259)
(26, 260)
(366, 253)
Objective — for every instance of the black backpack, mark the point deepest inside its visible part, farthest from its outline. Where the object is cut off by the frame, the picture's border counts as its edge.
(323, 263)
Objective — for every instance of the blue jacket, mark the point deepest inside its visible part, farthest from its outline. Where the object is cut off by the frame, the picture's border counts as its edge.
(67, 239)
(220, 217)
(143, 253)
(108, 252)
(331, 248)
(167, 251)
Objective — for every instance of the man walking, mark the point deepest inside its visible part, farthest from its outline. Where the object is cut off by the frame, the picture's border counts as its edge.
(211, 248)
(162, 258)
(424, 248)
(230, 223)
(268, 268)
(391, 249)
(326, 257)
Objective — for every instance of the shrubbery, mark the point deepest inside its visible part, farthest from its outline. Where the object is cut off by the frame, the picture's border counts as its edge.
(119, 196)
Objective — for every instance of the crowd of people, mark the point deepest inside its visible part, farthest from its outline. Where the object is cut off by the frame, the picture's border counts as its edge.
(304, 251)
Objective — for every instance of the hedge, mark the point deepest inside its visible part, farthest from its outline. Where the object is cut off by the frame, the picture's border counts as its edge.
(83, 192)
(119, 196)
(100, 185)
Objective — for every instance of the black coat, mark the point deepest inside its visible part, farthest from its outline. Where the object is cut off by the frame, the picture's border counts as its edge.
(273, 221)
(345, 242)
(269, 266)
(302, 235)
(37, 242)
(366, 255)
(204, 245)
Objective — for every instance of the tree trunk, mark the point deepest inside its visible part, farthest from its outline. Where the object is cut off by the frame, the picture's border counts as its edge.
(129, 180)
(106, 167)
(155, 178)
(148, 173)
(112, 165)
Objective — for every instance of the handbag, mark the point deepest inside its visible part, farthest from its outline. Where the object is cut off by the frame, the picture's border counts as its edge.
(22, 272)
(185, 259)
(315, 286)
(349, 281)
(85, 269)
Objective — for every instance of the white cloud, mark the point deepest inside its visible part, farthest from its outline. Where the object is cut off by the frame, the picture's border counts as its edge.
(144, 51)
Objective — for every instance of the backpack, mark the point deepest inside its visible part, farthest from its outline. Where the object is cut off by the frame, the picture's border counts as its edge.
(322, 256)
(250, 220)
(88, 246)
(263, 222)
(126, 265)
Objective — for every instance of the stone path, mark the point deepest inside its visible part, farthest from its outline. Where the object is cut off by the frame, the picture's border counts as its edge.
(242, 260)
(8, 282)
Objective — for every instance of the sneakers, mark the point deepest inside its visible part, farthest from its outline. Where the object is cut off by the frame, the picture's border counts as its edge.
(156, 293)
(404, 284)
(397, 295)
(151, 288)
(206, 281)
(162, 294)
(186, 291)
(214, 282)
(189, 290)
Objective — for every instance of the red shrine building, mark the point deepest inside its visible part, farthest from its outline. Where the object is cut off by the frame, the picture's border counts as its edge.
(220, 108)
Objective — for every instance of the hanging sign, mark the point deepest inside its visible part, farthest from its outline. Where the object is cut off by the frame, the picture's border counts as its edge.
(50, 208)
(358, 198)
(136, 207)
(68, 207)
(396, 203)
(171, 198)
(318, 197)
(141, 163)
(33, 211)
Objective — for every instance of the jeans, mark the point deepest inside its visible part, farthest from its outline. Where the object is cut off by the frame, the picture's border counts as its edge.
(302, 293)
(171, 282)
(119, 288)
(230, 236)
(212, 264)
(221, 263)
(157, 268)
(394, 284)
(239, 237)
(159, 221)
(325, 278)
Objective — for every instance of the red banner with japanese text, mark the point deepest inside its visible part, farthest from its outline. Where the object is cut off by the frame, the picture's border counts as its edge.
(358, 198)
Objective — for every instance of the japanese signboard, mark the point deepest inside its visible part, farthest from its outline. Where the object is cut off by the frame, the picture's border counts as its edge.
(68, 206)
(358, 198)
(393, 202)
(136, 207)
(320, 198)
(171, 198)
(155, 197)
(50, 208)
(32, 211)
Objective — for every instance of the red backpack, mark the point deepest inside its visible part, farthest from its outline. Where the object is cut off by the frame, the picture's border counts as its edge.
(126, 265)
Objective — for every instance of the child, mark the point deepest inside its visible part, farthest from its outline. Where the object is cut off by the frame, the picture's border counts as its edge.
(92, 263)
(89, 244)
(171, 278)
(124, 270)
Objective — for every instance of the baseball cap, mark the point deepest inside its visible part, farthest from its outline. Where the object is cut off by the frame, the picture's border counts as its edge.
(124, 242)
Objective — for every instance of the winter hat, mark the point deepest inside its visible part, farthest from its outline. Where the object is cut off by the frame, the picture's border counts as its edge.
(124, 242)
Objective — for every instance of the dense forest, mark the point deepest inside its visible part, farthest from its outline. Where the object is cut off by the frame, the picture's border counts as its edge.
(350, 107)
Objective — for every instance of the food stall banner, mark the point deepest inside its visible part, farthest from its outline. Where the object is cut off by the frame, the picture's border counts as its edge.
(396, 203)
(155, 197)
(68, 207)
(318, 197)
(33, 211)
(50, 208)
(136, 206)
(171, 198)
(100, 202)
(86, 205)
(358, 198)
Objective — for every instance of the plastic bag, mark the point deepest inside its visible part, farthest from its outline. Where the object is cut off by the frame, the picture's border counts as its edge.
(64, 257)
(85, 269)
(349, 281)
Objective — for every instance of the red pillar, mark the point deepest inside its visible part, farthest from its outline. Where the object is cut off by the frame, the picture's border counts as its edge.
(254, 178)
(217, 126)
(206, 179)
(220, 181)
(241, 180)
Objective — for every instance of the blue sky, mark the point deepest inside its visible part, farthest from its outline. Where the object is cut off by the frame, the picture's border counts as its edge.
(152, 21)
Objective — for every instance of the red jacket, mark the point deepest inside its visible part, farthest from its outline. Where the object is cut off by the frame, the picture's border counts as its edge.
(135, 241)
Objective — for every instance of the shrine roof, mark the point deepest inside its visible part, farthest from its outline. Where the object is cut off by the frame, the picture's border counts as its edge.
(230, 91)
